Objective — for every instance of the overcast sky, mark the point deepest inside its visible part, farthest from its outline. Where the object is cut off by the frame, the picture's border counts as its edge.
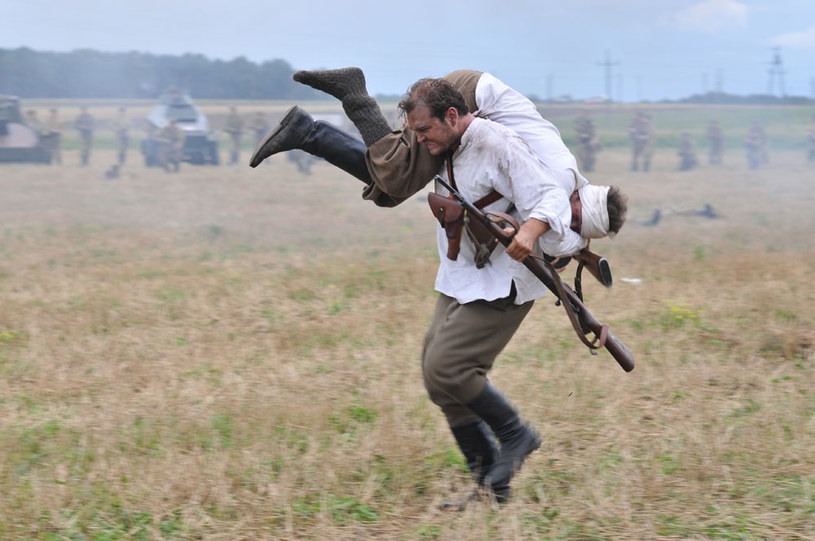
(659, 48)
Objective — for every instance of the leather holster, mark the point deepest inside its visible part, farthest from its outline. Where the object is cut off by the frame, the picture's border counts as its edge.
(450, 214)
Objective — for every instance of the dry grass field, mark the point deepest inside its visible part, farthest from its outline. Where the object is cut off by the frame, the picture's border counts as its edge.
(230, 353)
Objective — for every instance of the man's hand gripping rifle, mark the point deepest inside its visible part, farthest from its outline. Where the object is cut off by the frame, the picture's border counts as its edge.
(582, 320)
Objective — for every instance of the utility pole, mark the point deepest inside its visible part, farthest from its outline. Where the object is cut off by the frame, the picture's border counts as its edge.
(607, 64)
(719, 80)
(776, 71)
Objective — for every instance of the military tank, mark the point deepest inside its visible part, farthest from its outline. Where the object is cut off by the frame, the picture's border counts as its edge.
(200, 143)
(19, 142)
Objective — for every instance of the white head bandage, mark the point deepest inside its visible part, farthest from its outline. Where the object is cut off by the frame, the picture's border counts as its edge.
(595, 211)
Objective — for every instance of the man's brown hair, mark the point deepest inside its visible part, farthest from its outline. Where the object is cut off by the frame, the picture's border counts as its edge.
(437, 95)
(617, 204)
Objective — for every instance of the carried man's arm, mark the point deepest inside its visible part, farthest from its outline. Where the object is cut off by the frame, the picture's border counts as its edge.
(583, 321)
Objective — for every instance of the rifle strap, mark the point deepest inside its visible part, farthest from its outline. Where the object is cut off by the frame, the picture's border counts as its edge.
(599, 340)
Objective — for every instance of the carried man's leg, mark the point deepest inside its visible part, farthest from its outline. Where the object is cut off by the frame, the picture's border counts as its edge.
(391, 163)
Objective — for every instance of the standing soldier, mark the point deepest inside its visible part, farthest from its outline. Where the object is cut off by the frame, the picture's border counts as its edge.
(687, 153)
(811, 137)
(121, 127)
(33, 121)
(84, 125)
(641, 132)
(259, 126)
(755, 145)
(52, 138)
(716, 138)
(587, 142)
(234, 127)
(650, 140)
(171, 138)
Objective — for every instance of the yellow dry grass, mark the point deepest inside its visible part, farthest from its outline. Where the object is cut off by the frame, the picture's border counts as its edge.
(229, 353)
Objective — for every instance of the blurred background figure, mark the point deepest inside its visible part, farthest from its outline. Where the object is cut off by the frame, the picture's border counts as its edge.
(52, 137)
(687, 153)
(756, 146)
(302, 160)
(588, 144)
(33, 121)
(171, 139)
(121, 127)
(811, 139)
(642, 135)
(234, 127)
(259, 126)
(84, 124)
(715, 138)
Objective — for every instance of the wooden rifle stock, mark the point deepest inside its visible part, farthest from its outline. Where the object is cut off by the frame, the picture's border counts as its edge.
(613, 345)
(597, 265)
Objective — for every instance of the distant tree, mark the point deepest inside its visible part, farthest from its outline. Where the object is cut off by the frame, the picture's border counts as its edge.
(86, 73)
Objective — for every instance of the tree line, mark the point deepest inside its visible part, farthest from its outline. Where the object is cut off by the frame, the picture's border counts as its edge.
(88, 73)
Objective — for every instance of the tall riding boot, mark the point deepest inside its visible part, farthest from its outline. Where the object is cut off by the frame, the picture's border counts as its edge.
(298, 130)
(478, 445)
(348, 86)
(517, 439)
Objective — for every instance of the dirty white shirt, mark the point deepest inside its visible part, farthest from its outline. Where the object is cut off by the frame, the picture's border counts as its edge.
(500, 103)
(493, 157)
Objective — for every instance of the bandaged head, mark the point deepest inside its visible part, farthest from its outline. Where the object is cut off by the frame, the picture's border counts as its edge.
(595, 211)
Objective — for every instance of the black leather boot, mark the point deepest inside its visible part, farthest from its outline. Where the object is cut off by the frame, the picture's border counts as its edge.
(478, 445)
(298, 130)
(517, 439)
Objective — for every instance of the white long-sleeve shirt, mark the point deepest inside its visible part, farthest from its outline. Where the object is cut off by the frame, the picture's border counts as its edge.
(500, 103)
(494, 157)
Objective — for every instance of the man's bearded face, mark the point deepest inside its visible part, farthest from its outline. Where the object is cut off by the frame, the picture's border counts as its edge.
(438, 136)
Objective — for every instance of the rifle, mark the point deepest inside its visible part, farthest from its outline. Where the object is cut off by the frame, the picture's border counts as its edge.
(582, 320)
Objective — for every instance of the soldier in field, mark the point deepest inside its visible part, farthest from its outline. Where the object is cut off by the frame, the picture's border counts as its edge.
(259, 126)
(756, 145)
(234, 127)
(641, 132)
(687, 153)
(715, 138)
(84, 124)
(587, 142)
(52, 137)
(171, 138)
(121, 128)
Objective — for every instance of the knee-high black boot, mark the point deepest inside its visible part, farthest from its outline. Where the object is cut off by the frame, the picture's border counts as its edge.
(517, 439)
(478, 445)
(298, 130)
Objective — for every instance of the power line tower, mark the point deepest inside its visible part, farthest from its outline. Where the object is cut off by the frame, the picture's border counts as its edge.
(719, 80)
(608, 64)
(776, 72)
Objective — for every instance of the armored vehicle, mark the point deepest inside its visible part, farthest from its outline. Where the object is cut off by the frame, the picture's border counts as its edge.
(200, 144)
(19, 142)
